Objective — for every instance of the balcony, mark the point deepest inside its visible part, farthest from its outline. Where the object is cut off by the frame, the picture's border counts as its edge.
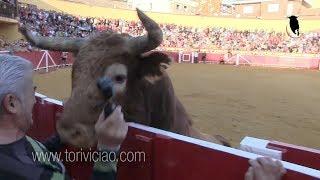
(8, 10)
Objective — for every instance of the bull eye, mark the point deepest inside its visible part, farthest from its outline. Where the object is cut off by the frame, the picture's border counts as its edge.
(119, 78)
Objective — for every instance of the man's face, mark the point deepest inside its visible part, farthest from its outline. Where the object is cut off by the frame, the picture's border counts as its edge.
(24, 119)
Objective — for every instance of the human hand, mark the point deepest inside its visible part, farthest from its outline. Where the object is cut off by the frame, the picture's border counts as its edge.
(265, 168)
(111, 131)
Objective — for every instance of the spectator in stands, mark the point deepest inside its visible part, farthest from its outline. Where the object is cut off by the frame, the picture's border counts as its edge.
(17, 150)
(8, 8)
(204, 58)
(1, 44)
(226, 57)
(64, 56)
(13, 2)
(196, 56)
(18, 45)
(49, 23)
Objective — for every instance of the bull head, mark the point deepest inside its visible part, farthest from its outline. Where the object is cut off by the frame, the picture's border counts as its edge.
(118, 57)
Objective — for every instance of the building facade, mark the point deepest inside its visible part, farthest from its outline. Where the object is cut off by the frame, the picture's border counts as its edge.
(165, 6)
(274, 9)
(209, 7)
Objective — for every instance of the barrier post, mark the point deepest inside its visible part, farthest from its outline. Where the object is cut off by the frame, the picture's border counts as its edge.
(46, 56)
(192, 57)
(237, 60)
(47, 64)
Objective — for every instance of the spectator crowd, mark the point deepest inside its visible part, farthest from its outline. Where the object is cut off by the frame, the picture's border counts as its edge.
(18, 45)
(8, 8)
(13, 2)
(52, 24)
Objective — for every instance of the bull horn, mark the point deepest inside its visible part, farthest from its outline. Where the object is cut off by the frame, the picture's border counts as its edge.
(149, 41)
(54, 44)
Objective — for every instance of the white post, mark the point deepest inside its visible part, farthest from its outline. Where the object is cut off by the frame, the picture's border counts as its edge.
(237, 60)
(180, 56)
(318, 57)
(47, 63)
(38, 66)
(46, 56)
(192, 57)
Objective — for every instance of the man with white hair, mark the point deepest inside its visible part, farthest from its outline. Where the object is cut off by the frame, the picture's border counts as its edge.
(17, 98)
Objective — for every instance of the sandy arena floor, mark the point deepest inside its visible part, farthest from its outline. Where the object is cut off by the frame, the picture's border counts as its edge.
(235, 102)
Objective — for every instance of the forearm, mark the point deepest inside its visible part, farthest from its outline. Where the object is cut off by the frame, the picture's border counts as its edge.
(105, 168)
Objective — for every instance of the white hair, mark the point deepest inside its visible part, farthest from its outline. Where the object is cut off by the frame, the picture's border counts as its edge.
(14, 72)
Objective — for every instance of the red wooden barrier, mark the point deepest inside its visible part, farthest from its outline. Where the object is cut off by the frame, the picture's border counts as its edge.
(174, 157)
(254, 60)
(296, 154)
(44, 119)
(283, 61)
(36, 56)
(168, 156)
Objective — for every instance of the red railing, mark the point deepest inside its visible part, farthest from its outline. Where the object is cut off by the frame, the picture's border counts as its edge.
(283, 61)
(169, 156)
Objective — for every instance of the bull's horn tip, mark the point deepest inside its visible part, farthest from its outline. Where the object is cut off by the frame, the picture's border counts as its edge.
(139, 12)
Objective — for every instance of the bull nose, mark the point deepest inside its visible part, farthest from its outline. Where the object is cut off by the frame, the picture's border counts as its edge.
(105, 84)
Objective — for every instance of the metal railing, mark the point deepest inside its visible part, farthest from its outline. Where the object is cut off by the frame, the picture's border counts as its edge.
(8, 10)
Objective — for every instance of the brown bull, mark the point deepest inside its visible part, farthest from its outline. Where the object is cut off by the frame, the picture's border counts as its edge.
(141, 85)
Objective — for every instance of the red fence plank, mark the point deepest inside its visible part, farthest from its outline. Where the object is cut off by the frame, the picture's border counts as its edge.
(137, 142)
(44, 121)
(298, 155)
(256, 60)
(173, 158)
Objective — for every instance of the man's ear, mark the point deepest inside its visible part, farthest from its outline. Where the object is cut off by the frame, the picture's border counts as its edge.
(10, 104)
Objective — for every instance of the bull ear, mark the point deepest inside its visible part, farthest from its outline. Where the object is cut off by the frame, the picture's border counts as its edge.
(151, 65)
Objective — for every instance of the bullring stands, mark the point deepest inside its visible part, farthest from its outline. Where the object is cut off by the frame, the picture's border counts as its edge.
(47, 23)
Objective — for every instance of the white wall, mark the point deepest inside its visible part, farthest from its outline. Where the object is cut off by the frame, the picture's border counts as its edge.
(161, 6)
(151, 5)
